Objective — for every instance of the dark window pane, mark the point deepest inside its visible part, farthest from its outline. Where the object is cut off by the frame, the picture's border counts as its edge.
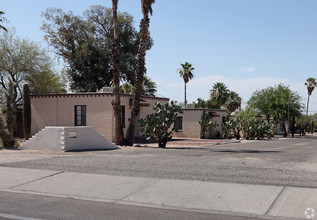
(178, 123)
(80, 115)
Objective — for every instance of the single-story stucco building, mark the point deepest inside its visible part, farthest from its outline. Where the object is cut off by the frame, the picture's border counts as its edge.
(86, 109)
(188, 123)
(95, 109)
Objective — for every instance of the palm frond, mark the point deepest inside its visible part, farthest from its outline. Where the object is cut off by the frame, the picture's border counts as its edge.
(147, 6)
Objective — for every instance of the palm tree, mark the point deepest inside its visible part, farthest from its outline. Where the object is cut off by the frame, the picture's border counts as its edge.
(149, 87)
(310, 84)
(126, 88)
(2, 19)
(219, 93)
(146, 6)
(186, 72)
(118, 129)
(233, 101)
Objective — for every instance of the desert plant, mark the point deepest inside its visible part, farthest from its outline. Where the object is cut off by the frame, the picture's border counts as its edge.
(206, 124)
(247, 124)
(158, 125)
(7, 119)
(26, 111)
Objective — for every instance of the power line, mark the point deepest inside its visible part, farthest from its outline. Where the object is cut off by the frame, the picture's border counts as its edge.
(168, 93)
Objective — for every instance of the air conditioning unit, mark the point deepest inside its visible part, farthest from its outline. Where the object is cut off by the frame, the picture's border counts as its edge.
(106, 90)
(190, 106)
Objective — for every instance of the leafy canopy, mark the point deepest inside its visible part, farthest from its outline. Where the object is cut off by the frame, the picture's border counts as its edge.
(277, 103)
(25, 61)
(84, 43)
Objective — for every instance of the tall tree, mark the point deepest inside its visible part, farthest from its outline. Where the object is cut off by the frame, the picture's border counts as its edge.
(311, 85)
(278, 103)
(2, 20)
(186, 72)
(233, 101)
(118, 129)
(46, 81)
(24, 61)
(219, 93)
(146, 6)
(85, 44)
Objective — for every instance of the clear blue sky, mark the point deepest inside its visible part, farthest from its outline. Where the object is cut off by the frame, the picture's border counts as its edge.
(247, 44)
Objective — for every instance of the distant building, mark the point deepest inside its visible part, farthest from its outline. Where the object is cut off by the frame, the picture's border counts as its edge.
(188, 123)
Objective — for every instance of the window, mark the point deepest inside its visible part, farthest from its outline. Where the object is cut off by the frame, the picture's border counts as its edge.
(224, 120)
(178, 123)
(80, 115)
(122, 109)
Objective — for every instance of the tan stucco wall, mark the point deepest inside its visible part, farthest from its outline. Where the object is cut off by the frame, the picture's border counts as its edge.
(144, 110)
(58, 110)
(191, 126)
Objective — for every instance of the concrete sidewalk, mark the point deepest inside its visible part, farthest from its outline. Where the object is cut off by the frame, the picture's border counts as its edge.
(244, 199)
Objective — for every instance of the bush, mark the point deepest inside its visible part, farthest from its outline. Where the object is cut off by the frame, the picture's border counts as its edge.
(206, 125)
(158, 125)
(249, 126)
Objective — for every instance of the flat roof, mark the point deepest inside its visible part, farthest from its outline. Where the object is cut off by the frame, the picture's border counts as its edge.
(93, 94)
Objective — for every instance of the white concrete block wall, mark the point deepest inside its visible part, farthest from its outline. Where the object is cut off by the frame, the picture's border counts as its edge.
(84, 138)
(68, 139)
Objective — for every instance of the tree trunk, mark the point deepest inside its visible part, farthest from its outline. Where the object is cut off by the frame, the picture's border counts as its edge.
(285, 132)
(307, 105)
(293, 126)
(162, 143)
(118, 130)
(14, 110)
(140, 71)
(185, 102)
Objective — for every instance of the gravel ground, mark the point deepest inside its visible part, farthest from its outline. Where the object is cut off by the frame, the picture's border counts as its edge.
(287, 162)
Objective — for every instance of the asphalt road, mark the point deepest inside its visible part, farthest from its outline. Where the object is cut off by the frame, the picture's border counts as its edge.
(27, 207)
(286, 162)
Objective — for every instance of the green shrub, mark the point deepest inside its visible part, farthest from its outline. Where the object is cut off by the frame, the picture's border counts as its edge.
(158, 125)
(206, 125)
(247, 124)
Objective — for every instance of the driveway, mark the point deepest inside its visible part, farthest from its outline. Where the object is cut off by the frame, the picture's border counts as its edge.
(282, 162)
